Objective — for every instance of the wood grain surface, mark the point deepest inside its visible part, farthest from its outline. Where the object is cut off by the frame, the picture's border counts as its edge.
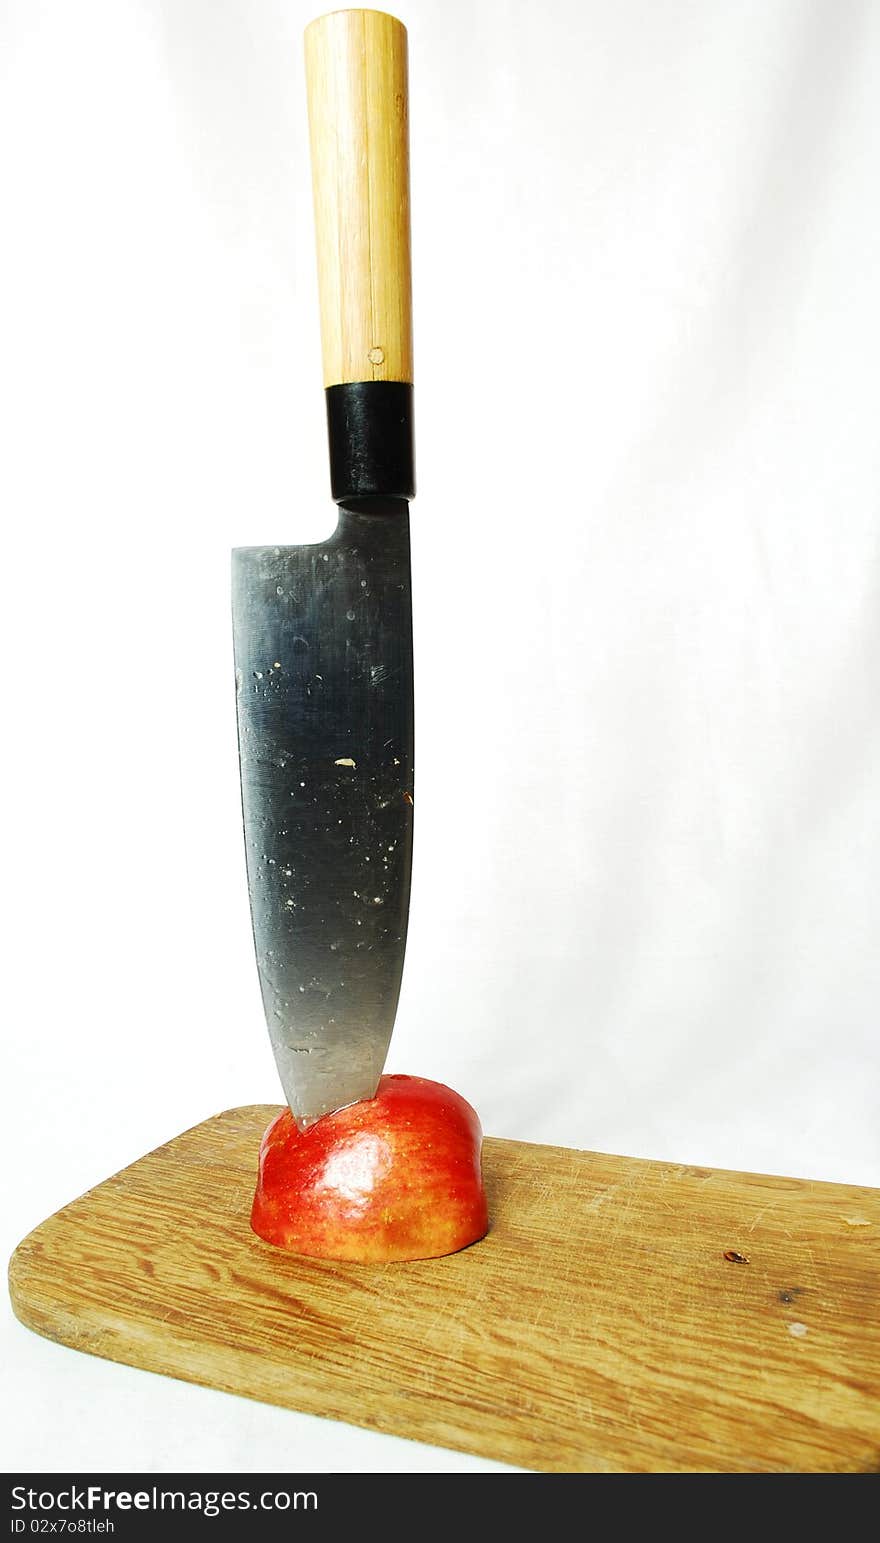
(621, 1315)
(356, 82)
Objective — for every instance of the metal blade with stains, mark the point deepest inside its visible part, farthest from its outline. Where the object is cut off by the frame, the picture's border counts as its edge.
(323, 648)
(323, 633)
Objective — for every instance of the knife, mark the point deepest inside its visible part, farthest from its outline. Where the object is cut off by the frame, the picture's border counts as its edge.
(323, 632)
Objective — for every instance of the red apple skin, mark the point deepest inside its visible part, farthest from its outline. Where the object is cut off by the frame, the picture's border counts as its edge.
(393, 1177)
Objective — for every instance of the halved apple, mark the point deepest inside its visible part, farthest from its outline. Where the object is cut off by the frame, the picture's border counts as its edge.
(392, 1177)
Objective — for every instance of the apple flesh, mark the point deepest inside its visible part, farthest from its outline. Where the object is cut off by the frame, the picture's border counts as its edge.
(393, 1177)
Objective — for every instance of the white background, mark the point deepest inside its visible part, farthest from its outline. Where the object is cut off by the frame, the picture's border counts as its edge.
(644, 914)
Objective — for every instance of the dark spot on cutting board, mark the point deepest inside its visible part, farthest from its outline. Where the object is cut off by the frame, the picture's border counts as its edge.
(790, 1293)
(733, 1257)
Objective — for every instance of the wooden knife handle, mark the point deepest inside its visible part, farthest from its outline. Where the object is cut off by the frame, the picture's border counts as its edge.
(356, 80)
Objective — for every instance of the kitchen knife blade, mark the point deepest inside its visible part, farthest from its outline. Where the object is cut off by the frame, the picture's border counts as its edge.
(323, 632)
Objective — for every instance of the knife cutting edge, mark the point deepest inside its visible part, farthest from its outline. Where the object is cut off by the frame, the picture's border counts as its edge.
(323, 632)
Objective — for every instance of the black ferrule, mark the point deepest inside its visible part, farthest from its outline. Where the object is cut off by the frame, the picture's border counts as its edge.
(370, 429)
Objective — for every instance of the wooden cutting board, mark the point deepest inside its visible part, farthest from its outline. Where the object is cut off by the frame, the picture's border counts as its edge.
(621, 1315)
